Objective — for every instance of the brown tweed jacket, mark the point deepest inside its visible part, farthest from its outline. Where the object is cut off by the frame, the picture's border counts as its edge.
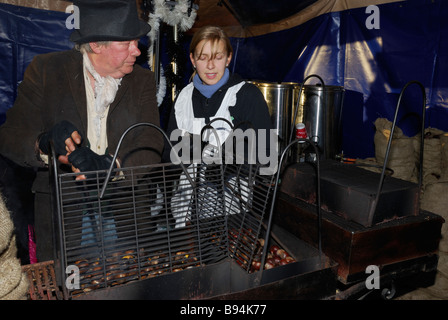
(53, 90)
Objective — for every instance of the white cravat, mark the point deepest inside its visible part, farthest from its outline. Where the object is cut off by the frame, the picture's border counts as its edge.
(98, 103)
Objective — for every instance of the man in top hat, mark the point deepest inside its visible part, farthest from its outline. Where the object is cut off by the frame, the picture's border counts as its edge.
(83, 100)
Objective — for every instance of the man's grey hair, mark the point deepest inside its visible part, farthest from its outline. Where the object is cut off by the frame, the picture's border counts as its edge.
(85, 47)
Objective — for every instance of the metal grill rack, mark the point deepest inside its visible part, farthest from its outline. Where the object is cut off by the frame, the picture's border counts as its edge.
(160, 219)
(42, 281)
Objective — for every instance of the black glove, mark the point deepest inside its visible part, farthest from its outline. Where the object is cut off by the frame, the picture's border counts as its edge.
(85, 159)
(59, 133)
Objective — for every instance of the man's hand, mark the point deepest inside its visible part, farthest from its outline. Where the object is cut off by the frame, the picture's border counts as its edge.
(84, 159)
(65, 137)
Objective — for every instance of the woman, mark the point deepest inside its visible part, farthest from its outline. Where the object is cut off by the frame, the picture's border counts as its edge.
(213, 95)
(216, 93)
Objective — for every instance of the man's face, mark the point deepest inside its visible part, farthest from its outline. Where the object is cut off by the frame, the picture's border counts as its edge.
(115, 59)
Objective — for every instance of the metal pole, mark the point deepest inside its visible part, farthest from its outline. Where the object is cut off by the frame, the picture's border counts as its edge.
(174, 63)
(156, 57)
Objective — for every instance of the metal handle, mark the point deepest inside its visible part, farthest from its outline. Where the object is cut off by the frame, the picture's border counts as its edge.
(318, 203)
(386, 158)
(213, 129)
(109, 171)
(293, 121)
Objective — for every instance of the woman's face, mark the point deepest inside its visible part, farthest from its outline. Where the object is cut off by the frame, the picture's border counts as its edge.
(210, 63)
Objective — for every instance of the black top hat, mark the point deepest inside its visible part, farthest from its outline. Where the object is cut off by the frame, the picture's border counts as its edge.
(108, 20)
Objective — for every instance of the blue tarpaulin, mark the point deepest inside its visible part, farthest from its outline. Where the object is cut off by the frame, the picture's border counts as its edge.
(372, 64)
(24, 33)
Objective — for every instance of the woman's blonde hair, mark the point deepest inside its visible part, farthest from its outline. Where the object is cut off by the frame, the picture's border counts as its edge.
(213, 34)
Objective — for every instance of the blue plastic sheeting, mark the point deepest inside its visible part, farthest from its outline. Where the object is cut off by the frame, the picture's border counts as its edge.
(24, 33)
(372, 65)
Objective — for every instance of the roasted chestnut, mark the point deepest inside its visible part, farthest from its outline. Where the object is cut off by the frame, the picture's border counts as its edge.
(274, 249)
(281, 253)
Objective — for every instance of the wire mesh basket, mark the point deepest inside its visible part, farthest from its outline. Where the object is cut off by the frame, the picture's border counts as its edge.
(159, 219)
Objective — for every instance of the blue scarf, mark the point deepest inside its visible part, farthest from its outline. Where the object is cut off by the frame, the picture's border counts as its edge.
(208, 90)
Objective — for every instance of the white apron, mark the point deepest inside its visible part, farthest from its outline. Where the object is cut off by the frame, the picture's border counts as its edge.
(188, 123)
(211, 203)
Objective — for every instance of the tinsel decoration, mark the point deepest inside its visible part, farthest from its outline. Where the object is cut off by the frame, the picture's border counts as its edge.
(162, 87)
(180, 13)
